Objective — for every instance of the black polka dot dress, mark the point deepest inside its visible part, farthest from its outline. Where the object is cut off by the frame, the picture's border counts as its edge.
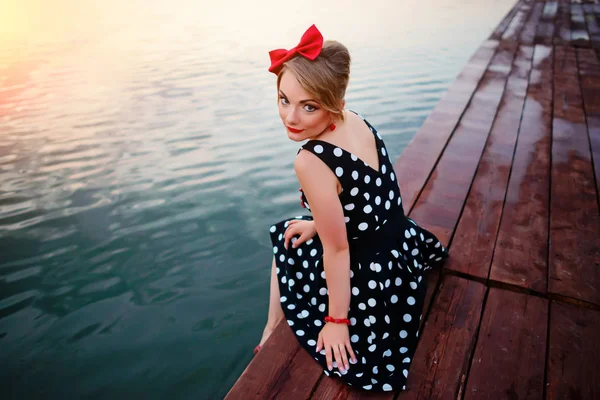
(389, 257)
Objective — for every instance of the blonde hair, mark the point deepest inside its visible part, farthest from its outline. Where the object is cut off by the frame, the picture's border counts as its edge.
(326, 78)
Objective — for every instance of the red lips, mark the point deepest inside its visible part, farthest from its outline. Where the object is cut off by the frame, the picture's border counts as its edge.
(294, 130)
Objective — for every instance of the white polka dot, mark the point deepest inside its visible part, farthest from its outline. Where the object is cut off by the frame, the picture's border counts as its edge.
(306, 288)
(349, 207)
(410, 300)
(322, 307)
(387, 387)
(403, 350)
(387, 205)
(399, 200)
(367, 322)
(309, 242)
(283, 279)
(394, 299)
(405, 373)
(322, 291)
(414, 252)
(300, 332)
(291, 306)
(311, 343)
(367, 196)
(368, 209)
(283, 299)
(323, 274)
(403, 334)
(337, 152)
(391, 195)
(406, 360)
(346, 219)
(372, 284)
(407, 318)
(413, 285)
(272, 229)
(354, 338)
(383, 151)
(353, 157)
(339, 171)
(313, 301)
(387, 319)
(290, 322)
(318, 322)
(372, 302)
(378, 182)
(362, 306)
(355, 175)
(368, 387)
(395, 253)
(392, 176)
(355, 291)
(291, 282)
(378, 200)
(375, 370)
(390, 367)
(313, 252)
(383, 169)
(372, 348)
(362, 226)
(318, 149)
(299, 275)
(282, 258)
(413, 232)
(367, 179)
(275, 249)
(354, 192)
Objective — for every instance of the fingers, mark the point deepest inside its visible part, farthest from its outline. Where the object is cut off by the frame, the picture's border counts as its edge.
(319, 342)
(328, 357)
(343, 362)
(339, 358)
(351, 352)
(290, 232)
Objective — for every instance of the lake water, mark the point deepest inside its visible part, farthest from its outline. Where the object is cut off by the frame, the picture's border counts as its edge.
(142, 161)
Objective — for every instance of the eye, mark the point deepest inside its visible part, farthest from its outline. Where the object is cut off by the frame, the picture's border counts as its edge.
(310, 108)
(283, 100)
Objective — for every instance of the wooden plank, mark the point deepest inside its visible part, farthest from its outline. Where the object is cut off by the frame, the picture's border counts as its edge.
(446, 190)
(516, 24)
(573, 353)
(506, 21)
(529, 30)
(417, 161)
(473, 242)
(269, 369)
(589, 72)
(448, 339)
(545, 30)
(562, 25)
(574, 216)
(520, 257)
(511, 348)
(579, 34)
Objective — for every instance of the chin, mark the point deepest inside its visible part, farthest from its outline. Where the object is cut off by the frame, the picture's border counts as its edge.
(297, 137)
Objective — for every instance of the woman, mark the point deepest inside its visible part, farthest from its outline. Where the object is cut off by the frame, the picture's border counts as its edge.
(350, 280)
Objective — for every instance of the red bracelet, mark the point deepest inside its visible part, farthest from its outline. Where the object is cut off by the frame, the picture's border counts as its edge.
(337, 321)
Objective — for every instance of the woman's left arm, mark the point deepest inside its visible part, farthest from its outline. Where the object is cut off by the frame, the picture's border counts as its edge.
(320, 188)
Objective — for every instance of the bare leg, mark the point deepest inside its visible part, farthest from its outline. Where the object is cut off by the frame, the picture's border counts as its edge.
(275, 312)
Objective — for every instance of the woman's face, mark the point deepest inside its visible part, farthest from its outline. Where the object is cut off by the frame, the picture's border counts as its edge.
(302, 116)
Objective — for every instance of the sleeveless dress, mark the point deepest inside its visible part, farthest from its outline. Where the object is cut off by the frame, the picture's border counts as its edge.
(389, 257)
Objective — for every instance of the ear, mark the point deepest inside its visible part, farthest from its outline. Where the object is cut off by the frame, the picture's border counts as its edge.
(343, 103)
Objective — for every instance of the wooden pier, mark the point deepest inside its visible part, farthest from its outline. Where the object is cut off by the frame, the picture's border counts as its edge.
(506, 171)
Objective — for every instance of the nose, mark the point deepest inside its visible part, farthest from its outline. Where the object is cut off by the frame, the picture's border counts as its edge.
(292, 118)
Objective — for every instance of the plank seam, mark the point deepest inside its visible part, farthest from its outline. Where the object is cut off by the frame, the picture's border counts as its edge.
(587, 127)
(474, 346)
(547, 358)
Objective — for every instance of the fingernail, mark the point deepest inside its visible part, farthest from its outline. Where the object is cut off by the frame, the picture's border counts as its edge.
(329, 367)
(342, 370)
(347, 366)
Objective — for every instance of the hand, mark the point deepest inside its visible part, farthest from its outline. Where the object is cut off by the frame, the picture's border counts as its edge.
(306, 230)
(335, 339)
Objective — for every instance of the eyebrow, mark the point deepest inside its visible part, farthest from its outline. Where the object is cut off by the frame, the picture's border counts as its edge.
(301, 101)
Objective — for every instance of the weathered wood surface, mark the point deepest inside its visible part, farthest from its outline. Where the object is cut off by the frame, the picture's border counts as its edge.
(506, 171)
(573, 353)
(510, 354)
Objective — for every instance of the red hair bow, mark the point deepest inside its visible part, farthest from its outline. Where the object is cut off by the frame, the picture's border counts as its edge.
(310, 47)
